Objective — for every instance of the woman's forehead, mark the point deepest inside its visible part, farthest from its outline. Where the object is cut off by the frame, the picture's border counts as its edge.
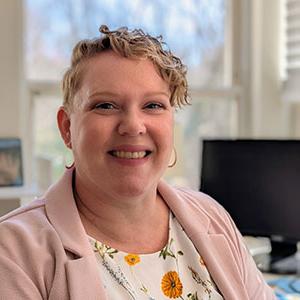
(115, 71)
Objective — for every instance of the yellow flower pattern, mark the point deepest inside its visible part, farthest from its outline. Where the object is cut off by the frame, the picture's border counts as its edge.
(132, 259)
(171, 285)
(175, 272)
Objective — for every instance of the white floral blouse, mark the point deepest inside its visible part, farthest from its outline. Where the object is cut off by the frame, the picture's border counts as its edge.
(175, 272)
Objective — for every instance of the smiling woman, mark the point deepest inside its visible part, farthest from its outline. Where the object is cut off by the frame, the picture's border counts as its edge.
(126, 103)
(111, 228)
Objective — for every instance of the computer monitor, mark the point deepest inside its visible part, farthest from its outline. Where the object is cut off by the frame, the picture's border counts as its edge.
(258, 183)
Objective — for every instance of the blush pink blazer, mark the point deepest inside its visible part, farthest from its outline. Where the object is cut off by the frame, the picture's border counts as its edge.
(45, 253)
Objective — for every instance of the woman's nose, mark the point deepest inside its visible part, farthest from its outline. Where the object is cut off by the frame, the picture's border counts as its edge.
(132, 124)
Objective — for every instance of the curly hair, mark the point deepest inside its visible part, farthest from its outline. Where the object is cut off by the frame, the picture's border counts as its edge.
(130, 44)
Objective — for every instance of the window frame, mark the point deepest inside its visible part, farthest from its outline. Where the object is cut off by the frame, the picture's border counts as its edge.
(290, 72)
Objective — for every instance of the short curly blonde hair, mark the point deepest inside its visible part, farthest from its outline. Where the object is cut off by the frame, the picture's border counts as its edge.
(132, 44)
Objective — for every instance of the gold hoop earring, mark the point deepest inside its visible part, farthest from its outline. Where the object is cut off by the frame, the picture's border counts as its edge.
(70, 166)
(68, 158)
(175, 159)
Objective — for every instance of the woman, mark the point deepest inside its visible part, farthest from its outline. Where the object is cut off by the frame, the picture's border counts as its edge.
(111, 228)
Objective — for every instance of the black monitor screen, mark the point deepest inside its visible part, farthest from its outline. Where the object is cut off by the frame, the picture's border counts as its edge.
(258, 183)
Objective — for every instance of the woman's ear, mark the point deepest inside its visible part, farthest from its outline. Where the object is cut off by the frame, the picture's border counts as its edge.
(64, 125)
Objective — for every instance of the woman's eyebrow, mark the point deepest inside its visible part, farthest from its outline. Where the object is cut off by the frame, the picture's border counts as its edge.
(102, 93)
(115, 94)
(158, 93)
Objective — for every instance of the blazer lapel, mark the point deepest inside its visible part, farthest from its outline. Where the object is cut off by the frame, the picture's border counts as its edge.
(213, 248)
(82, 273)
(221, 264)
(83, 279)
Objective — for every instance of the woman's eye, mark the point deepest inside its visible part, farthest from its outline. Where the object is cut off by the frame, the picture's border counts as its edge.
(105, 105)
(154, 106)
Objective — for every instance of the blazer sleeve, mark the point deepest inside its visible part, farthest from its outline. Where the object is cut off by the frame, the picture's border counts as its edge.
(254, 281)
(15, 283)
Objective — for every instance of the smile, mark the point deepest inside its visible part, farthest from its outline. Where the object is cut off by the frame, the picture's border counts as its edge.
(129, 155)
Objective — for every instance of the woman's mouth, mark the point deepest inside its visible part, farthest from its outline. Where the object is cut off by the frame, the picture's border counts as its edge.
(129, 154)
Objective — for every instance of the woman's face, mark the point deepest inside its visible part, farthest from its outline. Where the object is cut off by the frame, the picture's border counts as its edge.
(121, 127)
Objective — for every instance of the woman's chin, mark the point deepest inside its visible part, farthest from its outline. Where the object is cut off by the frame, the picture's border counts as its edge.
(131, 188)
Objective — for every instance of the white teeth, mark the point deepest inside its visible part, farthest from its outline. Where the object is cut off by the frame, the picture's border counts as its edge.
(129, 155)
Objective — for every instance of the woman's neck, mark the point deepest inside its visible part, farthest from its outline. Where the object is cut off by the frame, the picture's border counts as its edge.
(137, 225)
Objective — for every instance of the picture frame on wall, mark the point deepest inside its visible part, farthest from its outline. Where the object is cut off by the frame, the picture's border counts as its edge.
(11, 171)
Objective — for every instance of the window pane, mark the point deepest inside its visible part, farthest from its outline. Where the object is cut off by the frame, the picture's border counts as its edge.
(193, 29)
(205, 118)
(48, 144)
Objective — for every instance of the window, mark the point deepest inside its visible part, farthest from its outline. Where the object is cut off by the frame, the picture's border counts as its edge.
(290, 10)
(194, 29)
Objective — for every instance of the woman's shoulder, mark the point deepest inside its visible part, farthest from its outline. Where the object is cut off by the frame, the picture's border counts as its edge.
(25, 227)
(33, 217)
(31, 252)
(29, 213)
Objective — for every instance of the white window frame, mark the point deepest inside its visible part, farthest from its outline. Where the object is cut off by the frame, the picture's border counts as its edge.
(290, 50)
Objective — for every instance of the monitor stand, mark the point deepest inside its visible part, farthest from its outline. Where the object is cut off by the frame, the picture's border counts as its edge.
(284, 258)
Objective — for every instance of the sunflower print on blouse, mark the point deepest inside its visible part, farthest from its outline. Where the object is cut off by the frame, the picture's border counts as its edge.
(171, 285)
(175, 272)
